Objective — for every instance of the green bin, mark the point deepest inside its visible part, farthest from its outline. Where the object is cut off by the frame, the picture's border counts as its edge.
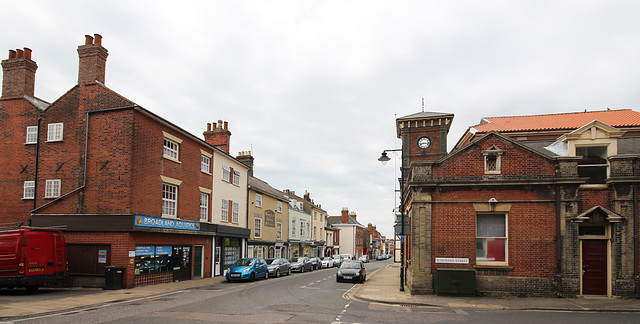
(455, 282)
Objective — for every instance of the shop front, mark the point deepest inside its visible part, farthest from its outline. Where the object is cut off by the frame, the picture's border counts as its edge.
(230, 245)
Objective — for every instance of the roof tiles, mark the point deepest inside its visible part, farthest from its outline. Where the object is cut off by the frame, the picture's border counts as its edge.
(614, 118)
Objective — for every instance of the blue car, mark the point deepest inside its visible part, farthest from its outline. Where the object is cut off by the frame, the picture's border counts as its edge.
(248, 269)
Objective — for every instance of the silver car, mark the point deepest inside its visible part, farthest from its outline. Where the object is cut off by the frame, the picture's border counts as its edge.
(278, 267)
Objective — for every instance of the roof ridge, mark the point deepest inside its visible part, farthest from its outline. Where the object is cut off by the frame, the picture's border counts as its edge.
(558, 114)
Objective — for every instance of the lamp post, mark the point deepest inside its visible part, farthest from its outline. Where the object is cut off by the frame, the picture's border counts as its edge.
(384, 159)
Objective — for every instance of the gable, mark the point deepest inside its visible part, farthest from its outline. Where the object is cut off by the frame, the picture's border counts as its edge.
(515, 159)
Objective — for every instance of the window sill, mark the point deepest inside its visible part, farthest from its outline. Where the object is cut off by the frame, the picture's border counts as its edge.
(493, 267)
(169, 216)
(52, 141)
(27, 198)
(206, 172)
(171, 159)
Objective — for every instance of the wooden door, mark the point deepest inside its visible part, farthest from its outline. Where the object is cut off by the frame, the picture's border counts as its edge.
(594, 267)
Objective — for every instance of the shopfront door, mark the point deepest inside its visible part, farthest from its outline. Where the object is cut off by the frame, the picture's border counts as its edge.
(594, 267)
(198, 262)
(181, 263)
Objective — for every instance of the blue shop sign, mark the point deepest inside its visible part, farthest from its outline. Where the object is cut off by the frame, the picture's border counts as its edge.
(142, 250)
(166, 223)
(164, 250)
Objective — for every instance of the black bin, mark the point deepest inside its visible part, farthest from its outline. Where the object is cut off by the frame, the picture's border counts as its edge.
(113, 277)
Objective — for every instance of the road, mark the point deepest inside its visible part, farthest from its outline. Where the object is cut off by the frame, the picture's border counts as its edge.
(310, 297)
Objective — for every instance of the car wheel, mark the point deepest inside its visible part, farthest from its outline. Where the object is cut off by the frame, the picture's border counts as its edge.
(337, 279)
(252, 277)
(266, 274)
(302, 269)
(278, 273)
(289, 272)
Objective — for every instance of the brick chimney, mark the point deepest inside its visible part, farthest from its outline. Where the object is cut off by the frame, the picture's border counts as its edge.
(352, 214)
(93, 60)
(218, 135)
(307, 196)
(345, 215)
(19, 74)
(247, 159)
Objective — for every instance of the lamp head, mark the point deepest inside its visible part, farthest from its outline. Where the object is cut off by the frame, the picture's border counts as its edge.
(384, 158)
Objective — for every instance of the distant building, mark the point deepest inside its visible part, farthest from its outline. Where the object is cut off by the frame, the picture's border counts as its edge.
(351, 232)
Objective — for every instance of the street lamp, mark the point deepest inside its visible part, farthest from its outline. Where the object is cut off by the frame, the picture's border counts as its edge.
(401, 232)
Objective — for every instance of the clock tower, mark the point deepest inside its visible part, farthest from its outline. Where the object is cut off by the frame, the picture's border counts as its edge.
(424, 136)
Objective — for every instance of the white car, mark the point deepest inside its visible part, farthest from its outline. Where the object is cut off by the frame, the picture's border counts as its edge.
(364, 258)
(327, 262)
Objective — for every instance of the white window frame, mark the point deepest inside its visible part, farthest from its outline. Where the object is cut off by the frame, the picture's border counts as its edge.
(52, 188)
(258, 200)
(204, 207)
(171, 149)
(169, 200)
(293, 227)
(257, 229)
(224, 211)
(226, 173)
(278, 231)
(302, 228)
(235, 212)
(55, 132)
(236, 177)
(279, 207)
(29, 190)
(205, 164)
(32, 135)
(484, 261)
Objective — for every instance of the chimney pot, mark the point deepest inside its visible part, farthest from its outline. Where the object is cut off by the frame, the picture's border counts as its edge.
(226, 125)
(27, 52)
(19, 53)
(208, 127)
(12, 54)
(88, 40)
(98, 39)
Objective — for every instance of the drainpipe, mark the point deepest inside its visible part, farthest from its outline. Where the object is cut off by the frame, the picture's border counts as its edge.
(559, 288)
(35, 178)
(635, 229)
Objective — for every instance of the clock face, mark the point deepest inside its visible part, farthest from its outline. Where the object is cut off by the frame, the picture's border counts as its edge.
(424, 142)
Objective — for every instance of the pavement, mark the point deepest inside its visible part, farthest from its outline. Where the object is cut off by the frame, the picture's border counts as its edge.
(382, 286)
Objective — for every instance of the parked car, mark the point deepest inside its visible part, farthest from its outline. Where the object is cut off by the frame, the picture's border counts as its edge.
(316, 262)
(278, 267)
(351, 271)
(381, 257)
(364, 258)
(346, 257)
(327, 262)
(337, 259)
(248, 269)
(301, 264)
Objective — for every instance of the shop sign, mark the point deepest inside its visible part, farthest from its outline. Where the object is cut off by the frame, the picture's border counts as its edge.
(166, 223)
(269, 218)
(142, 250)
(164, 250)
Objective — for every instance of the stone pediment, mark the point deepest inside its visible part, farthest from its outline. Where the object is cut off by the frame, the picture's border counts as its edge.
(598, 215)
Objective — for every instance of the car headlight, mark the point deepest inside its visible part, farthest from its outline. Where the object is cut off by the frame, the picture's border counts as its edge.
(246, 270)
(339, 273)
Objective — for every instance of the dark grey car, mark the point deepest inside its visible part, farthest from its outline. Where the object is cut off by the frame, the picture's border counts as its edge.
(301, 264)
(278, 267)
(351, 271)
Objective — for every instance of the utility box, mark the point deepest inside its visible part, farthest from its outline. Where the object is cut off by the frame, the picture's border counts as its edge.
(455, 282)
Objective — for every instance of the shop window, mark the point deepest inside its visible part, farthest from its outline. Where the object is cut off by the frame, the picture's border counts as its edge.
(231, 251)
(153, 259)
(491, 238)
(593, 164)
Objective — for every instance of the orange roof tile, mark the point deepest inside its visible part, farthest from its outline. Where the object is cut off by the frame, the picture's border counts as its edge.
(614, 118)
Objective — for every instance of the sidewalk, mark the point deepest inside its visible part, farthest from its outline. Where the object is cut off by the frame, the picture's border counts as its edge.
(383, 286)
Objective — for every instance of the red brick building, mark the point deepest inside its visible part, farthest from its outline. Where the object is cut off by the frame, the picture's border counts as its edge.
(128, 187)
(535, 205)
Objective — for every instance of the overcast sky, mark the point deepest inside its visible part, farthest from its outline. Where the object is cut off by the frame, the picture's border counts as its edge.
(313, 88)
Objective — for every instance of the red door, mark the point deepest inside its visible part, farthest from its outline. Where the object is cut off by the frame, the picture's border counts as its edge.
(594, 267)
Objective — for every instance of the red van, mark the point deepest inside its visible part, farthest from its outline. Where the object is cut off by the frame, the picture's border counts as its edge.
(32, 257)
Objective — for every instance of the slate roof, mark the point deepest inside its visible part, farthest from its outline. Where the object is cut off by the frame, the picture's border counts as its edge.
(337, 220)
(614, 118)
(265, 188)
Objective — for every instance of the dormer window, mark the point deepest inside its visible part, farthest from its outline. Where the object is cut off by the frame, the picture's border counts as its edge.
(593, 164)
(492, 160)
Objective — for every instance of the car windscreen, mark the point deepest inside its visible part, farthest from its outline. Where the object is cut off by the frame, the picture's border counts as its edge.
(243, 262)
(350, 265)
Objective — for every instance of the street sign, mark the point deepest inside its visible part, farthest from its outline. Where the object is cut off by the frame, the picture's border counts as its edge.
(402, 230)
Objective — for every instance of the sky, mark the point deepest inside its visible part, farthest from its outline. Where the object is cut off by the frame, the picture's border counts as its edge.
(313, 88)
